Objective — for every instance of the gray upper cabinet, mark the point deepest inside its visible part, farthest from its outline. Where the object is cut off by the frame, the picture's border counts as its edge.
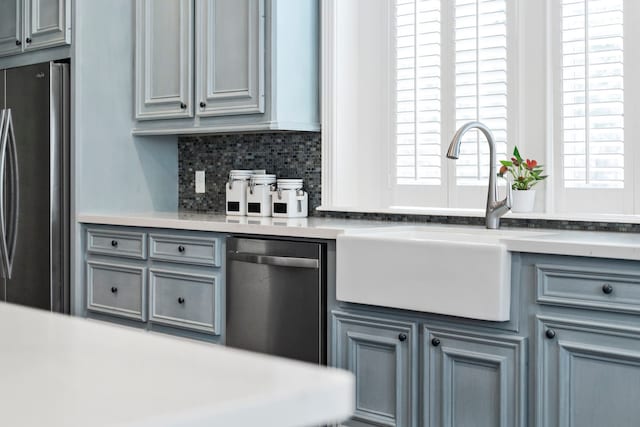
(588, 373)
(255, 62)
(27, 25)
(164, 57)
(230, 57)
(382, 354)
(473, 380)
(10, 27)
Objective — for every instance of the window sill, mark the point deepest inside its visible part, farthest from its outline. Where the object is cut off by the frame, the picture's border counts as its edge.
(480, 213)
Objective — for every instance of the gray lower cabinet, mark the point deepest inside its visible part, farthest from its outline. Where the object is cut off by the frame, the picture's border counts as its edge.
(117, 289)
(588, 373)
(472, 380)
(382, 354)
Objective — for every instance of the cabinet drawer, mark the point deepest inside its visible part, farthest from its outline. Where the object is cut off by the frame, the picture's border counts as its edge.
(600, 289)
(185, 249)
(117, 289)
(185, 300)
(118, 243)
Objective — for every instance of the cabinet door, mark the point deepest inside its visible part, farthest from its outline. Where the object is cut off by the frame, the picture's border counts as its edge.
(46, 23)
(10, 26)
(230, 57)
(473, 380)
(382, 354)
(164, 57)
(588, 374)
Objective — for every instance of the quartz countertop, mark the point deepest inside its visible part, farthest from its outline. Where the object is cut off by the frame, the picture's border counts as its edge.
(68, 371)
(558, 242)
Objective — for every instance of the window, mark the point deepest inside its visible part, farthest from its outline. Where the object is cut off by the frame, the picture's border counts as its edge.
(552, 77)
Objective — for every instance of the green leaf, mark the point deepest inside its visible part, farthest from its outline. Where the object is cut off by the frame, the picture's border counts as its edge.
(516, 154)
(506, 163)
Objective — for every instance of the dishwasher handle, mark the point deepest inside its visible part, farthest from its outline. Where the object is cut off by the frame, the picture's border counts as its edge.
(279, 261)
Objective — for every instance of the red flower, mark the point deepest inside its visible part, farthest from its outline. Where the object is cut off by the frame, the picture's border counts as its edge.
(503, 170)
(515, 162)
(531, 164)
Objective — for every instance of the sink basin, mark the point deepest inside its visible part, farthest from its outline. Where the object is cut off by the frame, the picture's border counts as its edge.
(457, 271)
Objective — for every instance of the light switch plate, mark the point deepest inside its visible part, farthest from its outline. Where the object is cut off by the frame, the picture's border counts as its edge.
(199, 181)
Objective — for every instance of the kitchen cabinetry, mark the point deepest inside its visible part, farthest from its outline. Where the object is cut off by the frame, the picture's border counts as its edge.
(230, 65)
(588, 342)
(160, 280)
(473, 379)
(27, 25)
(382, 354)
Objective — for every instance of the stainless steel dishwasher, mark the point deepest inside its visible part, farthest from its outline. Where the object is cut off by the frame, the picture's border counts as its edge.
(276, 297)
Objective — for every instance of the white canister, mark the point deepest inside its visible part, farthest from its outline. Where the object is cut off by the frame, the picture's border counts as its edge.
(259, 194)
(236, 190)
(289, 200)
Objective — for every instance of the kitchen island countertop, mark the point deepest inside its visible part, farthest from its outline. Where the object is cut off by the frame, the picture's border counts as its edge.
(66, 371)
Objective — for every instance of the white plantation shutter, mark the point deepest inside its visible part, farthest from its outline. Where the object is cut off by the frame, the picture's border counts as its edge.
(418, 84)
(480, 83)
(476, 65)
(592, 94)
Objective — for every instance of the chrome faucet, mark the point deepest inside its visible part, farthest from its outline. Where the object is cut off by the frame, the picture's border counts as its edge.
(495, 208)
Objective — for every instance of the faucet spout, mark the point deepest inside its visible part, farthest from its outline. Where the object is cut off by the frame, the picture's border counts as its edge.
(495, 208)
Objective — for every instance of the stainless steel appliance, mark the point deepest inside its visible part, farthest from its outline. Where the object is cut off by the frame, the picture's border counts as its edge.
(276, 298)
(34, 185)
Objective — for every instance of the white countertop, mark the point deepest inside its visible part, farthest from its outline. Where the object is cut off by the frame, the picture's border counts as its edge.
(64, 371)
(559, 242)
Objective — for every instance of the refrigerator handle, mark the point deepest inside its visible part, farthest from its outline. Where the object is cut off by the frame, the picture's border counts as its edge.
(8, 231)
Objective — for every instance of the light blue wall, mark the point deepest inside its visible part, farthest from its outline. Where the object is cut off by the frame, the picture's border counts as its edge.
(115, 172)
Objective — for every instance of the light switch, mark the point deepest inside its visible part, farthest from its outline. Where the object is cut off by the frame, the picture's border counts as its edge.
(199, 181)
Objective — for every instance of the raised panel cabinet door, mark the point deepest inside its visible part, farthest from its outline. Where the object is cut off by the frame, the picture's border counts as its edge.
(46, 23)
(164, 58)
(587, 374)
(230, 57)
(10, 27)
(382, 354)
(473, 380)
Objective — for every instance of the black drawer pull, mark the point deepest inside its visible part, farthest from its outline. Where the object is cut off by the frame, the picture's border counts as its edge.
(402, 337)
(435, 342)
(550, 333)
(114, 290)
(607, 288)
(180, 300)
(181, 249)
(114, 243)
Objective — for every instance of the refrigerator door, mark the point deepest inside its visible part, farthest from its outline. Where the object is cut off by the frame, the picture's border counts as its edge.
(35, 95)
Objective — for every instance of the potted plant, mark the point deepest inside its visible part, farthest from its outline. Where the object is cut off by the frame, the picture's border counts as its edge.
(523, 175)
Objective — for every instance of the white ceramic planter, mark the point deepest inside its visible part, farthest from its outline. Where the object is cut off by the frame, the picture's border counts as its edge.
(523, 200)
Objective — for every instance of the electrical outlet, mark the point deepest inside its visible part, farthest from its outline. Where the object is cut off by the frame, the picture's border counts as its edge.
(199, 181)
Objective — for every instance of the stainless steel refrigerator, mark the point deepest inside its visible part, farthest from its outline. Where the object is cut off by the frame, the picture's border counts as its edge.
(34, 186)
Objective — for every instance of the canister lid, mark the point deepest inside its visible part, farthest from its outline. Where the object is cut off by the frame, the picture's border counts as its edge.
(290, 183)
(240, 174)
(262, 179)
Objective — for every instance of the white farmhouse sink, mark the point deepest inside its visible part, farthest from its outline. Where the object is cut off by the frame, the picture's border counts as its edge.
(458, 271)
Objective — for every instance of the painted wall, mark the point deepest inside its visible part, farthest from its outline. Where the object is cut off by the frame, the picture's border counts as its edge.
(115, 172)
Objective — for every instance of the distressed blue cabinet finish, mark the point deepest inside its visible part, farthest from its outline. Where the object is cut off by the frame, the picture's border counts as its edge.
(382, 354)
(473, 379)
(588, 373)
(255, 68)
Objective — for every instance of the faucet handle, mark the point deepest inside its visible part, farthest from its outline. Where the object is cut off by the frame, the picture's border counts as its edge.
(507, 200)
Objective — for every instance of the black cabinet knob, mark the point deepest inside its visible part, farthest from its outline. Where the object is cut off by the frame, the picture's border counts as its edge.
(435, 342)
(550, 333)
(180, 300)
(202, 104)
(28, 40)
(114, 290)
(181, 249)
(607, 288)
(114, 243)
(402, 337)
(183, 106)
(18, 42)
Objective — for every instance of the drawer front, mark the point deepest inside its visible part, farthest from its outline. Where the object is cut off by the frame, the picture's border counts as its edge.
(185, 249)
(600, 289)
(118, 243)
(116, 289)
(185, 300)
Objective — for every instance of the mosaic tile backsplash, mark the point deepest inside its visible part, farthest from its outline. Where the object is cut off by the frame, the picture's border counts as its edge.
(286, 154)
